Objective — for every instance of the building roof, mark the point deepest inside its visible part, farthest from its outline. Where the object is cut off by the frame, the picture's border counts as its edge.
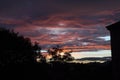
(115, 26)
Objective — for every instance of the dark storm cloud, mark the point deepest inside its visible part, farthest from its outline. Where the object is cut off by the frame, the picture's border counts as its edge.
(25, 8)
(38, 8)
(76, 13)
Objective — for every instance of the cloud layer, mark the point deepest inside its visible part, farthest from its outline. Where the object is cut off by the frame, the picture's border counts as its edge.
(78, 24)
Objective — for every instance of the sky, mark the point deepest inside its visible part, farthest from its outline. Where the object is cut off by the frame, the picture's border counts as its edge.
(73, 24)
(86, 54)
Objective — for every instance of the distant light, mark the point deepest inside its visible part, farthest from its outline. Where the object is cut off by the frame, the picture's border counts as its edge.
(62, 53)
(43, 51)
(38, 59)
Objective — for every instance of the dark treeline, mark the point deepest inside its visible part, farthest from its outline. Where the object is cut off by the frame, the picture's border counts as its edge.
(59, 71)
(15, 48)
(17, 62)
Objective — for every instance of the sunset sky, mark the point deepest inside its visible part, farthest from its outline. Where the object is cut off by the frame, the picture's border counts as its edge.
(75, 24)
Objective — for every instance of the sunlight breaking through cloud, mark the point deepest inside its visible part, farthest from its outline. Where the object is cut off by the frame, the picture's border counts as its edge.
(106, 38)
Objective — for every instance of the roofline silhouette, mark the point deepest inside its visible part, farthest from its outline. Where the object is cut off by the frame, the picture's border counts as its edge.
(110, 27)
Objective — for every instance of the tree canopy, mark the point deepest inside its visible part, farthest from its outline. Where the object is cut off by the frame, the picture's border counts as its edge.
(14, 48)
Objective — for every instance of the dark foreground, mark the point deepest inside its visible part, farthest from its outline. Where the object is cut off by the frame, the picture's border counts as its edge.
(57, 71)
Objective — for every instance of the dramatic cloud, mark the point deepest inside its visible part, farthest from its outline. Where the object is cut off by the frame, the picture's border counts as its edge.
(76, 24)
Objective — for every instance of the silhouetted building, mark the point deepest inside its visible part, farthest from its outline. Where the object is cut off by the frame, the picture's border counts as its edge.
(115, 46)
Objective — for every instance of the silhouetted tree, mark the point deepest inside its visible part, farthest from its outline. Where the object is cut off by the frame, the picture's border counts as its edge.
(36, 48)
(14, 48)
(57, 56)
(37, 51)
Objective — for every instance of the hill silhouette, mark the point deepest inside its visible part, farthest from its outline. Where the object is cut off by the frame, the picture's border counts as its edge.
(96, 58)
